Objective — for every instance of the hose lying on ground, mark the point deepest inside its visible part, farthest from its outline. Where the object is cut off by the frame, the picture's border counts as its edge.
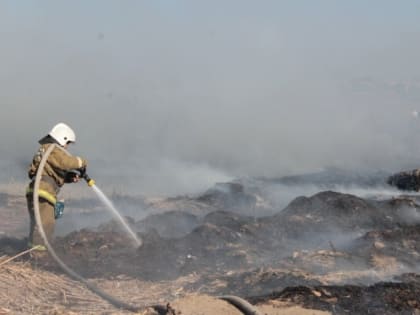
(242, 305)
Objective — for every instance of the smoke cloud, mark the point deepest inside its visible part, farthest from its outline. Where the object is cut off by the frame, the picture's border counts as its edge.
(168, 98)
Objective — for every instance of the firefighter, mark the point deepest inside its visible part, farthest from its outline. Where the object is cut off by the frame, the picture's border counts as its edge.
(61, 167)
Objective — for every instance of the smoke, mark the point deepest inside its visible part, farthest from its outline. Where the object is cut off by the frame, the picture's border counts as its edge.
(165, 100)
(409, 215)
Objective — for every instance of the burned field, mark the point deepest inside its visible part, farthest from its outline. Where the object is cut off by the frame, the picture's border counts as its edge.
(331, 251)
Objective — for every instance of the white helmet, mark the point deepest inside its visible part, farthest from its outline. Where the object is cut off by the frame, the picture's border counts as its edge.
(62, 134)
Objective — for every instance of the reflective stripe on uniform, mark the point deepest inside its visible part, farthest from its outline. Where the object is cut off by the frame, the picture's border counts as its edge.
(43, 194)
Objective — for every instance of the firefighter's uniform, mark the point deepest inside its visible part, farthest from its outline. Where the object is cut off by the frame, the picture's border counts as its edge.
(53, 177)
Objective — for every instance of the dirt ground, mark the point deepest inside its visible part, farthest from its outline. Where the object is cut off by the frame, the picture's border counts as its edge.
(206, 305)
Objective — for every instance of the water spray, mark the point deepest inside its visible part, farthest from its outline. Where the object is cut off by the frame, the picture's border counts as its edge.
(111, 207)
(108, 203)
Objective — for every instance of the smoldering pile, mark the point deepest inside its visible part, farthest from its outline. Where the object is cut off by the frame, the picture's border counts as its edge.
(328, 242)
(387, 298)
(326, 232)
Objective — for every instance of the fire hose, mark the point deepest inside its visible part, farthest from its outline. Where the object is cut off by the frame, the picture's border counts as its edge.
(114, 301)
(242, 305)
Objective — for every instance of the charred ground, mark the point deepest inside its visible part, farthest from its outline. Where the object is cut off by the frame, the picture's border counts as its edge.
(329, 251)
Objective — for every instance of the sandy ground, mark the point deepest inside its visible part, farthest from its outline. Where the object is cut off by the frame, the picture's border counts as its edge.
(206, 305)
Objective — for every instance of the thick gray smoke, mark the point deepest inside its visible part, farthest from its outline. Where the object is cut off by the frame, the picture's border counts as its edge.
(170, 98)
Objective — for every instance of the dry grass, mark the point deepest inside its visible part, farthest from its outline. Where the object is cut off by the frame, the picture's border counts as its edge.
(25, 290)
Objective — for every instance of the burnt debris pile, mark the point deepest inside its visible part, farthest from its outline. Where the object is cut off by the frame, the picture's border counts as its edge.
(386, 298)
(330, 250)
(406, 180)
(324, 233)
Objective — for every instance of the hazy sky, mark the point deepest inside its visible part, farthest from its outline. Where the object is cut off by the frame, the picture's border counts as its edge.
(174, 95)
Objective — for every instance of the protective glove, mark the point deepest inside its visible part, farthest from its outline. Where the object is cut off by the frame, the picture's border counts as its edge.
(72, 176)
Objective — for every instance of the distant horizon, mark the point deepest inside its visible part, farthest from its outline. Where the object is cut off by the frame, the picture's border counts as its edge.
(171, 97)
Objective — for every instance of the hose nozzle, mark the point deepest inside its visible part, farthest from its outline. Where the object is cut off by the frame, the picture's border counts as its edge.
(88, 180)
